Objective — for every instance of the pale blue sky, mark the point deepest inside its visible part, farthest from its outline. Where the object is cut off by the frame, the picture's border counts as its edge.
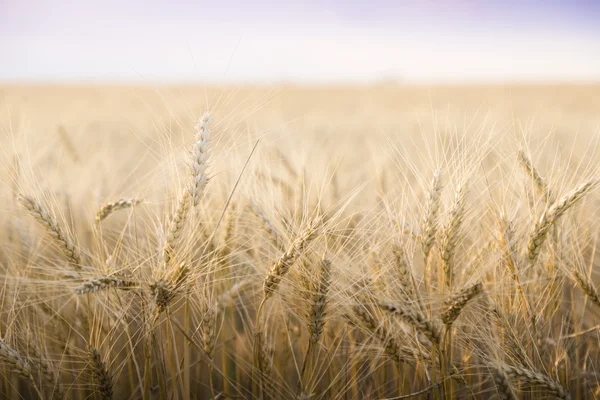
(263, 41)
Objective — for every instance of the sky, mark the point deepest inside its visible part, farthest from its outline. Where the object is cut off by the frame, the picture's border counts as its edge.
(303, 42)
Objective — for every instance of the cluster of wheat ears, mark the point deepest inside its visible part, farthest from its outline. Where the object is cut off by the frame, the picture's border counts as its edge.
(308, 299)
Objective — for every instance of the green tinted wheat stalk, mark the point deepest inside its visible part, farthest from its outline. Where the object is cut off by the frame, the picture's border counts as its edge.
(107, 209)
(450, 234)
(552, 214)
(62, 238)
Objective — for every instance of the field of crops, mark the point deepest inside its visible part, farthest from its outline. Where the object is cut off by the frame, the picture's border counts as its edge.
(375, 242)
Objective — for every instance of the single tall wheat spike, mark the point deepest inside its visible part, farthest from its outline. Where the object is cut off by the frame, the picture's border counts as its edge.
(457, 303)
(107, 209)
(450, 233)
(429, 228)
(318, 306)
(61, 237)
(176, 226)
(535, 176)
(552, 214)
(535, 378)
(102, 378)
(199, 163)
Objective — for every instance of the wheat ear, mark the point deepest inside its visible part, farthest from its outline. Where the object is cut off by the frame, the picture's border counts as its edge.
(535, 378)
(457, 303)
(588, 288)
(416, 318)
(503, 386)
(107, 209)
(199, 163)
(286, 260)
(176, 226)
(430, 223)
(318, 307)
(535, 176)
(450, 233)
(101, 375)
(61, 237)
(103, 283)
(11, 357)
(552, 214)
(268, 226)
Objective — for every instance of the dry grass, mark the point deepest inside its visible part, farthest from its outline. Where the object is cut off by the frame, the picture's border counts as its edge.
(341, 257)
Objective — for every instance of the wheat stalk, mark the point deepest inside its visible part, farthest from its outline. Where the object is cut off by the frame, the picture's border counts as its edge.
(103, 283)
(11, 357)
(429, 227)
(450, 233)
(552, 214)
(588, 287)
(318, 306)
(176, 226)
(102, 378)
(416, 318)
(457, 303)
(61, 237)
(503, 387)
(286, 260)
(535, 176)
(535, 378)
(107, 209)
(199, 163)
(269, 228)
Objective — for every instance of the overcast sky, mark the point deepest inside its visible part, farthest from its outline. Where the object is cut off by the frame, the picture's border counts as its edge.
(235, 41)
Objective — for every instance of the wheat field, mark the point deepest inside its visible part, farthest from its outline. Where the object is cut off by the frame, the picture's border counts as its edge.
(367, 242)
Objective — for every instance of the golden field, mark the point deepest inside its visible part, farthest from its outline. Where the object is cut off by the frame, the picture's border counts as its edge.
(377, 242)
